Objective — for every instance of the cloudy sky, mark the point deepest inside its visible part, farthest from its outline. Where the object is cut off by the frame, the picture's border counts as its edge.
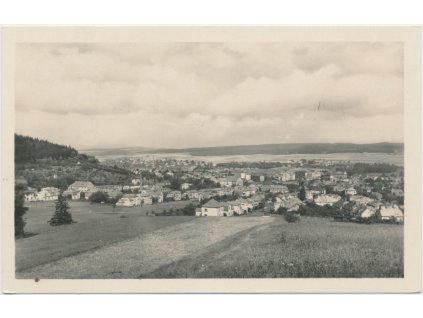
(177, 95)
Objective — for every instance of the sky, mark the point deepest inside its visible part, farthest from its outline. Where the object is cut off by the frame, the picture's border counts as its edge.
(178, 95)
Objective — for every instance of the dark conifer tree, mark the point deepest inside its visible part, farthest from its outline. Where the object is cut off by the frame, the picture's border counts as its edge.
(20, 211)
(302, 194)
(61, 215)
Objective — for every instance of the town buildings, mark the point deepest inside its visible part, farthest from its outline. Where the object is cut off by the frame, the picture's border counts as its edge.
(228, 189)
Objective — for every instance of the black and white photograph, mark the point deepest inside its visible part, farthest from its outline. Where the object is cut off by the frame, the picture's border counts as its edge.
(209, 158)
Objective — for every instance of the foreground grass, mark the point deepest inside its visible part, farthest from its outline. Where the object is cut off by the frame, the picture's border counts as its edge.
(141, 255)
(313, 248)
(97, 226)
(128, 244)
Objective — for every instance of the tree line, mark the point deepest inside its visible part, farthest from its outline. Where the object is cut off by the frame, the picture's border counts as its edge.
(28, 149)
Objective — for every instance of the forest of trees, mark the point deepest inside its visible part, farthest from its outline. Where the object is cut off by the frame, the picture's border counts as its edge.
(44, 164)
(28, 149)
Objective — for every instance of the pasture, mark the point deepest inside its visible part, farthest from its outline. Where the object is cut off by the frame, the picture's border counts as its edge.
(315, 247)
(104, 245)
(97, 225)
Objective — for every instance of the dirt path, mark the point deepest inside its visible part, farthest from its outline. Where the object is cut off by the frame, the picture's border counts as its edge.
(135, 257)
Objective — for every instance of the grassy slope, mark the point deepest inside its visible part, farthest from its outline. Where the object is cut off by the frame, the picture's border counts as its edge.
(313, 248)
(161, 247)
(143, 254)
(97, 226)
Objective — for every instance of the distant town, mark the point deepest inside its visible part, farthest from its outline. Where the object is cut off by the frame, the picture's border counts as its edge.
(342, 190)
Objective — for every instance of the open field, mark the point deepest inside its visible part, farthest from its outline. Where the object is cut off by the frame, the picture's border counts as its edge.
(97, 225)
(104, 245)
(313, 248)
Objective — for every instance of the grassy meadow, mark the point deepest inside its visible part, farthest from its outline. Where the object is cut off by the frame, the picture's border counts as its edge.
(314, 247)
(97, 225)
(128, 244)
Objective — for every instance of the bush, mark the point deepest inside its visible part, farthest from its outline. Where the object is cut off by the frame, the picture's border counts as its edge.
(98, 197)
(281, 211)
(369, 220)
(292, 218)
(312, 209)
(189, 209)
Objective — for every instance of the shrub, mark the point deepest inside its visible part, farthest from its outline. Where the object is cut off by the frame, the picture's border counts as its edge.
(281, 211)
(291, 217)
(98, 197)
(189, 209)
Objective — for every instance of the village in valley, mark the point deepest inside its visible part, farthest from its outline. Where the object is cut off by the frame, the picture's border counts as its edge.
(265, 159)
(344, 191)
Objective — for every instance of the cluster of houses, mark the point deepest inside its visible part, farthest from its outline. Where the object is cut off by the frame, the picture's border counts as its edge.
(244, 189)
(344, 189)
(229, 208)
(76, 191)
(45, 194)
(83, 190)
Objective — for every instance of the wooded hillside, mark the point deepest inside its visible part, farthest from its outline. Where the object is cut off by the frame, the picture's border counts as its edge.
(28, 149)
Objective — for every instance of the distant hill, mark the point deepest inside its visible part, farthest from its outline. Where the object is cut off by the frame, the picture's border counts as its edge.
(118, 151)
(271, 149)
(285, 149)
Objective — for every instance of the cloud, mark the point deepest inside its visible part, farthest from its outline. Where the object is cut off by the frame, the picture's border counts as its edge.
(205, 94)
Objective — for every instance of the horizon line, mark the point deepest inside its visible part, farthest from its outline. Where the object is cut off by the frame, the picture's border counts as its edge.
(247, 145)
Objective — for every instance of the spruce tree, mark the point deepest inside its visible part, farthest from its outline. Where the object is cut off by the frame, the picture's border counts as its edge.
(20, 210)
(302, 194)
(61, 215)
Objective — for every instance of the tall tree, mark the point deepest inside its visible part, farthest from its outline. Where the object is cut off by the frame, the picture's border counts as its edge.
(61, 215)
(20, 211)
(302, 194)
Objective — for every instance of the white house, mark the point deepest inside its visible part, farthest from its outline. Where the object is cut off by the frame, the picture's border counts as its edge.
(174, 195)
(246, 205)
(192, 195)
(158, 195)
(236, 207)
(313, 175)
(185, 186)
(146, 198)
(367, 212)
(72, 194)
(129, 200)
(351, 191)
(86, 188)
(31, 196)
(48, 194)
(360, 199)
(327, 199)
(213, 208)
(291, 203)
(275, 188)
(311, 193)
(287, 176)
(388, 212)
